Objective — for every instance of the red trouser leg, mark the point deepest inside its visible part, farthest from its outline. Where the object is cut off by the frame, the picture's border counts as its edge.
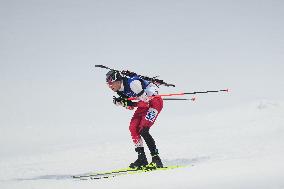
(143, 118)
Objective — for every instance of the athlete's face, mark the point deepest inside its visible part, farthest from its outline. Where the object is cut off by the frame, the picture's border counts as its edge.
(115, 86)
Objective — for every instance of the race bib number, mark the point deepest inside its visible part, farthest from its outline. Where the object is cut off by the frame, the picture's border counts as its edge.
(151, 114)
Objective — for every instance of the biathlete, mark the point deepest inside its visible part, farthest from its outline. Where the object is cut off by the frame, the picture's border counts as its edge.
(148, 108)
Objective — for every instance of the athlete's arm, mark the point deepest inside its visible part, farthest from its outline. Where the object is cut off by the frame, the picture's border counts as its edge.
(136, 87)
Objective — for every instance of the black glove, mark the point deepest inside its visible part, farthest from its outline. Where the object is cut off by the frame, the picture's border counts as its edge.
(119, 101)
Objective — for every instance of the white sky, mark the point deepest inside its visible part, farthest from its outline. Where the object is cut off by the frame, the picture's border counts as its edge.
(48, 49)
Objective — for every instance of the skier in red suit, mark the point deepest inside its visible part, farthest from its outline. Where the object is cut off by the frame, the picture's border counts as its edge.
(148, 108)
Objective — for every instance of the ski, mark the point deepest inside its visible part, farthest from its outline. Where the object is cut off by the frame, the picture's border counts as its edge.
(124, 171)
(105, 173)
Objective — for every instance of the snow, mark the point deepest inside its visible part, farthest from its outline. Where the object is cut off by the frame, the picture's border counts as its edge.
(242, 147)
(56, 113)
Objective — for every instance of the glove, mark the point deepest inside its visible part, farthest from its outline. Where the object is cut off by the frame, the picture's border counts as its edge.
(119, 101)
(116, 101)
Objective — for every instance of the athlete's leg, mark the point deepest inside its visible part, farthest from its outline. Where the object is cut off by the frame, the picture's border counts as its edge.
(146, 122)
(136, 137)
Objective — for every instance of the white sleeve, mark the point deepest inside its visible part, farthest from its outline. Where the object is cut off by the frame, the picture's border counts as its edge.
(136, 87)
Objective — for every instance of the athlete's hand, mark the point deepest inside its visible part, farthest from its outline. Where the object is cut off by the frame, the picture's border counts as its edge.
(122, 102)
(117, 101)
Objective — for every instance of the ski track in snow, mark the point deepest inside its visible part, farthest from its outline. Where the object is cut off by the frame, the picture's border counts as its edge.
(239, 148)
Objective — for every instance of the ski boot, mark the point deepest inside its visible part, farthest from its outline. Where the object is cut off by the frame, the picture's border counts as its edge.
(141, 161)
(156, 160)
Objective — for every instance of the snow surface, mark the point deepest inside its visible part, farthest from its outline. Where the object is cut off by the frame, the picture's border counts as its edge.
(56, 113)
(241, 147)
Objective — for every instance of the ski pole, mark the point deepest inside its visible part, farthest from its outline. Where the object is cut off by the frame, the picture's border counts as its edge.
(181, 94)
(216, 91)
(192, 99)
(162, 95)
